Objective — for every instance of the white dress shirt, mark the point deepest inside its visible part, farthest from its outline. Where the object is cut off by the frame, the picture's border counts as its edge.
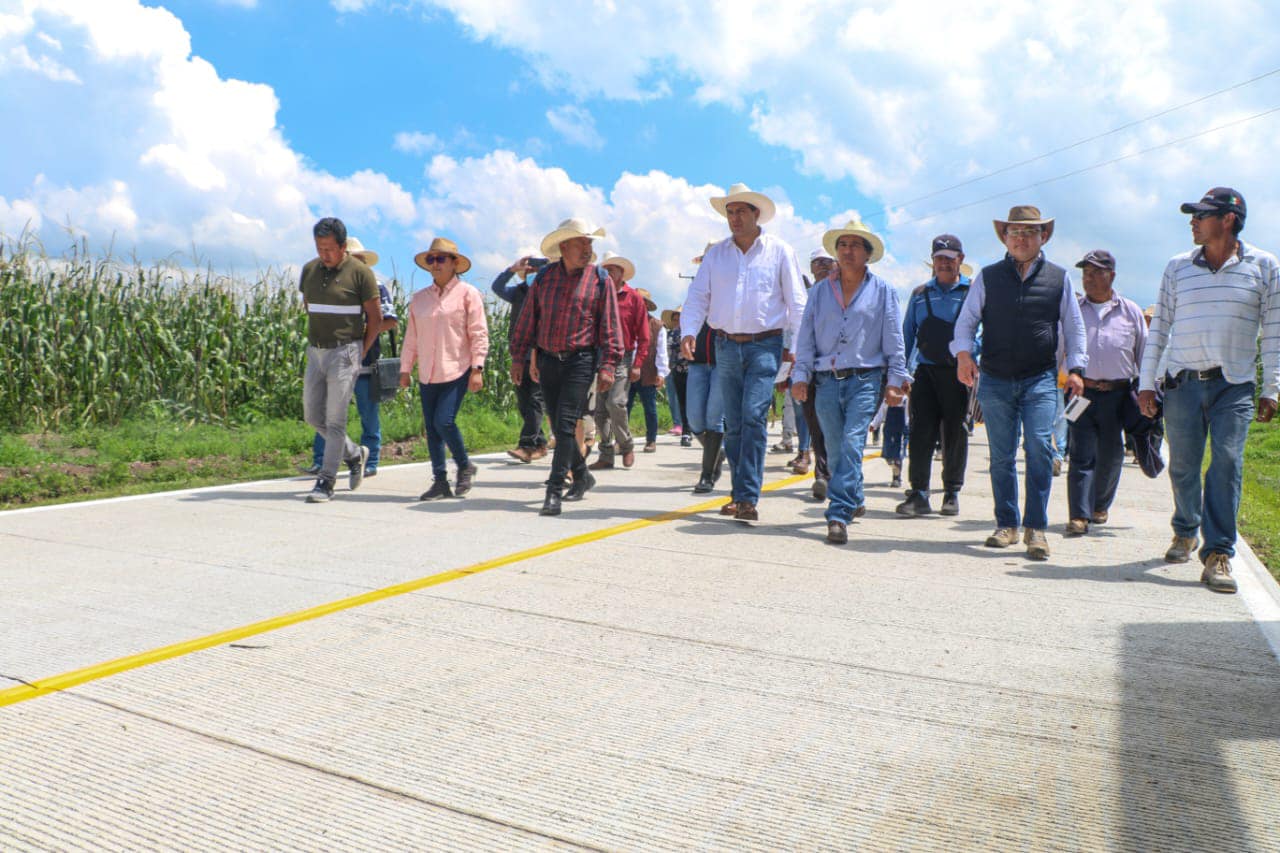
(746, 292)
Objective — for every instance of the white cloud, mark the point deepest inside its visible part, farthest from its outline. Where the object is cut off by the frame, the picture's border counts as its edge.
(20, 58)
(416, 142)
(576, 125)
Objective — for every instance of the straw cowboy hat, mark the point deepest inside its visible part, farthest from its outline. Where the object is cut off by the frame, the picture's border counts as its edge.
(1023, 214)
(442, 246)
(628, 268)
(857, 229)
(357, 250)
(965, 269)
(567, 230)
(705, 249)
(669, 317)
(820, 255)
(649, 304)
(740, 192)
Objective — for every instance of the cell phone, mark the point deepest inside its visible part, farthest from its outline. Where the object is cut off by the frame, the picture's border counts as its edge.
(537, 263)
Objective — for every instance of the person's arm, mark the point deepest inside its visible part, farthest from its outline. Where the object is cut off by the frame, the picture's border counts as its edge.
(806, 351)
(1158, 334)
(641, 317)
(892, 342)
(608, 333)
(697, 306)
(409, 351)
(660, 360)
(1140, 324)
(1074, 337)
(525, 333)
(501, 287)
(477, 337)
(909, 327)
(793, 292)
(966, 327)
(1270, 344)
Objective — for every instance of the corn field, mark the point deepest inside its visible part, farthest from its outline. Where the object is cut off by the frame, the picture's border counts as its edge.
(89, 341)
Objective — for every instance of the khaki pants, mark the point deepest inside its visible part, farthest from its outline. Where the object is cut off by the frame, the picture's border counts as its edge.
(612, 422)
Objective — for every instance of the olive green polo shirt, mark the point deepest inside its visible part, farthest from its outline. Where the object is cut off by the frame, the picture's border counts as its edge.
(334, 300)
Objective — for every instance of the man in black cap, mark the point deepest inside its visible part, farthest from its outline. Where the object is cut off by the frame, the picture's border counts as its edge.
(1216, 302)
(938, 399)
(1115, 335)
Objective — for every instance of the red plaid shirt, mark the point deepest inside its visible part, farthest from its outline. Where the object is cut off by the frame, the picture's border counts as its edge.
(563, 313)
(634, 315)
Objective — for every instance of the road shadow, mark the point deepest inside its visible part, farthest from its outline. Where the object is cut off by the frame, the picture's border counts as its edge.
(1138, 571)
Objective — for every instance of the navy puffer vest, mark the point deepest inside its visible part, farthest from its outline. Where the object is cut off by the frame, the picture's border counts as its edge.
(1020, 319)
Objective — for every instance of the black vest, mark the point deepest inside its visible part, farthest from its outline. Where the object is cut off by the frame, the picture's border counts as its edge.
(1020, 319)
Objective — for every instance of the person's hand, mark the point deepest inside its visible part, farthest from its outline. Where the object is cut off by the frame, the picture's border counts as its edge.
(476, 382)
(404, 380)
(1147, 403)
(521, 266)
(1266, 409)
(517, 373)
(800, 390)
(892, 395)
(534, 373)
(781, 387)
(906, 387)
(605, 382)
(686, 347)
(788, 356)
(634, 375)
(1075, 385)
(966, 369)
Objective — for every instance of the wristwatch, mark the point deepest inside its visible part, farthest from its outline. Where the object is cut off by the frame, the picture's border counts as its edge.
(1076, 371)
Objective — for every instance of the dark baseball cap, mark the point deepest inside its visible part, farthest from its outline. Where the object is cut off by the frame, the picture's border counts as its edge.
(1100, 258)
(1218, 200)
(948, 245)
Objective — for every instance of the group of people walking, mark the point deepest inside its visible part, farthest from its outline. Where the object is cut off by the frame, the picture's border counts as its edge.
(1016, 337)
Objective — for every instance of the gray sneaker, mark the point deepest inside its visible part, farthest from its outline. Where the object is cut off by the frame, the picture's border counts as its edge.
(322, 492)
(1181, 548)
(1217, 573)
(356, 467)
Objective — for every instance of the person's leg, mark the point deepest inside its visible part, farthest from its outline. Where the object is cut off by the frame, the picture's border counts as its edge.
(1110, 451)
(317, 450)
(1059, 434)
(1083, 470)
(681, 380)
(830, 407)
(760, 365)
(314, 388)
(1230, 412)
(1036, 410)
(429, 395)
(578, 378)
(1186, 428)
(649, 400)
(730, 370)
(1000, 414)
(817, 439)
(895, 422)
(953, 398)
(697, 391)
(788, 421)
(370, 421)
(617, 426)
(446, 419)
(803, 440)
(341, 366)
(926, 419)
(563, 416)
(530, 413)
(673, 403)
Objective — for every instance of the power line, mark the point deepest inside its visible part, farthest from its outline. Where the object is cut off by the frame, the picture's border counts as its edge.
(1100, 165)
(1077, 144)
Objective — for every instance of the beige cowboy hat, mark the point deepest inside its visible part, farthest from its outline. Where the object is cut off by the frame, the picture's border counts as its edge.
(628, 268)
(705, 249)
(965, 269)
(742, 193)
(649, 304)
(669, 316)
(356, 249)
(567, 230)
(857, 229)
(1023, 214)
(444, 246)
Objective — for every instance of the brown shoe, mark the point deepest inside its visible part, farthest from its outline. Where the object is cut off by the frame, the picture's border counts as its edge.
(1037, 544)
(731, 508)
(1003, 537)
(538, 452)
(1099, 517)
(521, 454)
(628, 459)
(1180, 549)
(1077, 527)
(601, 464)
(860, 511)
(837, 533)
(651, 447)
(747, 512)
(1217, 573)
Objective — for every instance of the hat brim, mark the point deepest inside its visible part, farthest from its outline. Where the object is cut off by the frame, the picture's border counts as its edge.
(366, 257)
(1082, 264)
(628, 268)
(1200, 207)
(877, 245)
(551, 243)
(650, 305)
(464, 263)
(757, 200)
(1001, 225)
(965, 269)
(669, 316)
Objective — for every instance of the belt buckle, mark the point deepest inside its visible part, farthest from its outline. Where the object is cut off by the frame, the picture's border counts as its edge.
(1206, 375)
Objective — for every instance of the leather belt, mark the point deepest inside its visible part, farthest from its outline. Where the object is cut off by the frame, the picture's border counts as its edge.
(1106, 384)
(566, 355)
(750, 337)
(1202, 375)
(846, 372)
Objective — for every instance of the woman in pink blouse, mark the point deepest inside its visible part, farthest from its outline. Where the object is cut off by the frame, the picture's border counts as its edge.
(449, 339)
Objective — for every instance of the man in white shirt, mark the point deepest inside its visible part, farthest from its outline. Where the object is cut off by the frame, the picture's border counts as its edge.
(749, 289)
(1215, 301)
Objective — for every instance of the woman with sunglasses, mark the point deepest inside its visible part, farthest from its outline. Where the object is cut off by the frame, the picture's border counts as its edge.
(448, 338)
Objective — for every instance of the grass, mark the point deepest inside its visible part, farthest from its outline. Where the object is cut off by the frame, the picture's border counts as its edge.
(1260, 498)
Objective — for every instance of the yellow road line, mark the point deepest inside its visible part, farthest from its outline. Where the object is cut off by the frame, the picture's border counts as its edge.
(76, 677)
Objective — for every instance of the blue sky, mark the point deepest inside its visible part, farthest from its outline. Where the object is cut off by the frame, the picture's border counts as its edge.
(231, 125)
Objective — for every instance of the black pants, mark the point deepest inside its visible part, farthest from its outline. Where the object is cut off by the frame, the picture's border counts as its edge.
(817, 443)
(938, 405)
(1096, 452)
(682, 385)
(564, 390)
(529, 404)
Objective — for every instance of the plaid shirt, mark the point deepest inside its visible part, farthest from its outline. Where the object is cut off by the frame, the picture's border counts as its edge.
(634, 315)
(563, 313)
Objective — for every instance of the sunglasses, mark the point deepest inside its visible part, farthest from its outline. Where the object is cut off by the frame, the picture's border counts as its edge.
(1021, 232)
(1207, 214)
(430, 260)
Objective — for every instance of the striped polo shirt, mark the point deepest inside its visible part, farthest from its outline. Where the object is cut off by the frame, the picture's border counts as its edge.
(334, 298)
(1206, 318)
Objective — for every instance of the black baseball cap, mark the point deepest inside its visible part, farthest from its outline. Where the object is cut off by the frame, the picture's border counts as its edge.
(1218, 200)
(1100, 258)
(948, 245)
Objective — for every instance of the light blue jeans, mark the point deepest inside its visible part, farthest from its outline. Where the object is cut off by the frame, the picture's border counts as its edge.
(703, 403)
(845, 408)
(1216, 410)
(1014, 407)
(746, 372)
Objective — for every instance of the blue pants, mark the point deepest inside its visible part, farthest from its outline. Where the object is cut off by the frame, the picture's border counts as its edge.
(845, 409)
(1097, 453)
(648, 395)
(1216, 410)
(803, 440)
(440, 404)
(673, 400)
(370, 426)
(746, 372)
(1014, 407)
(895, 433)
(703, 402)
(1061, 433)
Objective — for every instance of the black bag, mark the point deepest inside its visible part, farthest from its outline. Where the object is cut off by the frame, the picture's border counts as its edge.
(384, 377)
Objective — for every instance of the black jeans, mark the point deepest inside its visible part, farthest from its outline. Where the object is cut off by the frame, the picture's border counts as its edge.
(1096, 453)
(529, 404)
(682, 384)
(817, 443)
(938, 404)
(564, 390)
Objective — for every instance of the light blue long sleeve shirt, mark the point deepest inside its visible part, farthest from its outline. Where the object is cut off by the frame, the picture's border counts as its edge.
(868, 333)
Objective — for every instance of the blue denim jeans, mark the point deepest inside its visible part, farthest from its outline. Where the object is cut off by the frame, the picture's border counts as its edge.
(1061, 431)
(845, 409)
(440, 404)
(895, 433)
(804, 441)
(1014, 407)
(1217, 410)
(370, 426)
(702, 399)
(746, 372)
(673, 400)
(648, 395)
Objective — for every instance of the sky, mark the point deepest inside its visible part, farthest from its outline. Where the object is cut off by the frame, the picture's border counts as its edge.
(222, 129)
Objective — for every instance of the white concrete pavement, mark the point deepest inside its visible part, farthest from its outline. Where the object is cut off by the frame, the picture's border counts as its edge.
(687, 683)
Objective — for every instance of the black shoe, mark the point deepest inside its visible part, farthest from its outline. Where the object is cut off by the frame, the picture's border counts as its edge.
(712, 459)
(322, 492)
(580, 487)
(915, 504)
(950, 504)
(439, 489)
(551, 505)
(465, 476)
(686, 441)
(819, 489)
(837, 533)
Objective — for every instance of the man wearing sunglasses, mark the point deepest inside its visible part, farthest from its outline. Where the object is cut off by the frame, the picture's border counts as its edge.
(1216, 301)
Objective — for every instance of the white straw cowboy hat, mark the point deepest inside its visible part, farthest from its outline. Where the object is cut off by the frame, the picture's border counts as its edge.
(567, 230)
(705, 249)
(649, 304)
(443, 246)
(965, 269)
(1023, 214)
(669, 316)
(742, 193)
(357, 250)
(628, 268)
(857, 229)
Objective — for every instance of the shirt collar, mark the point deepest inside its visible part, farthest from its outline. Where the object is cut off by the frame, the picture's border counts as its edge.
(1242, 252)
(448, 285)
(962, 281)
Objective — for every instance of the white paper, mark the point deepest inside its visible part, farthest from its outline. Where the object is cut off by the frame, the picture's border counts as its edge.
(784, 370)
(1075, 407)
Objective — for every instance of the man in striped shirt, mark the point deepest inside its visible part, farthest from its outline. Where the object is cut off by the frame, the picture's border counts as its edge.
(1214, 303)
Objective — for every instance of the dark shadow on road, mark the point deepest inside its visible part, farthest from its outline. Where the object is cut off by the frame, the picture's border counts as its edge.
(1136, 571)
